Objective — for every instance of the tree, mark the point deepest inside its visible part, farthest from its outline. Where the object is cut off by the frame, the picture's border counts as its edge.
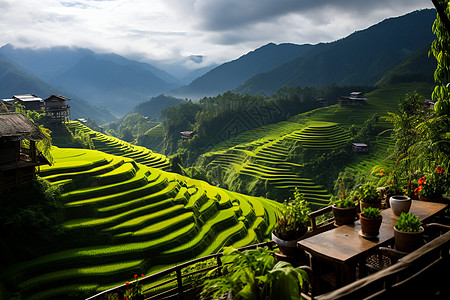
(436, 129)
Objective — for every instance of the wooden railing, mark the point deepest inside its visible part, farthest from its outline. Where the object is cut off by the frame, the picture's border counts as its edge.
(175, 281)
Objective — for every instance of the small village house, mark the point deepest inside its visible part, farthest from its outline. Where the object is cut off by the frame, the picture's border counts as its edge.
(29, 101)
(18, 158)
(360, 148)
(56, 108)
(355, 99)
(187, 135)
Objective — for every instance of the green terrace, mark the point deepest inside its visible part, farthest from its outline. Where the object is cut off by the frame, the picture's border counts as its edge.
(115, 146)
(123, 218)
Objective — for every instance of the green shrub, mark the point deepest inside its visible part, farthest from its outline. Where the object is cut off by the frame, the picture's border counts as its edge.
(371, 212)
(408, 222)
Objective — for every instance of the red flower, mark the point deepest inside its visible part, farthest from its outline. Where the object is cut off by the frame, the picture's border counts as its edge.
(416, 191)
(390, 174)
(412, 186)
(439, 170)
(127, 283)
(142, 275)
(135, 276)
(422, 181)
(381, 172)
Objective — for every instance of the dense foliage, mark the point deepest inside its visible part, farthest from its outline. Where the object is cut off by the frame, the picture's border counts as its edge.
(29, 220)
(408, 222)
(255, 275)
(217, 119)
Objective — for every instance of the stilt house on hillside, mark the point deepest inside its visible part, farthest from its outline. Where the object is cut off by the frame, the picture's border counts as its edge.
(18, 158)
(57, 109)
(355, 99)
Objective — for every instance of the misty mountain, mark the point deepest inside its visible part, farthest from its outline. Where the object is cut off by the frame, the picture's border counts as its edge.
(153, 107)
(108, 80)
(106, 83)
(361, 58)
(45, 63)
(14, 81)
(230, 74)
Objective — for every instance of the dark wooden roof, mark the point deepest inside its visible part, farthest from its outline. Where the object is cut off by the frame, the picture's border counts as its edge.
(15, 125)
(59, 97)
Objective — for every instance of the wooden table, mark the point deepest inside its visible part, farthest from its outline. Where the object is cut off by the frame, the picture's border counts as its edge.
(345, 247)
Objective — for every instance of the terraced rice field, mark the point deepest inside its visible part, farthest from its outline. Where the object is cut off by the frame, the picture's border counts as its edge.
(124, 218)
(321, 136)
(115, 146)
(266, 159)
(365, 163)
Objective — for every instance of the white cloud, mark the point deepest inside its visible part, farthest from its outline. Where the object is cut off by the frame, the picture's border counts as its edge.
(173, 30)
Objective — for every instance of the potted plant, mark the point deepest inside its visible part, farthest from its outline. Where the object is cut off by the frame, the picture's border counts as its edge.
(370, 219)
(344, 210)
(431, 186)
(254, 274)
(408, 232)
(368, 196)
(292, 223)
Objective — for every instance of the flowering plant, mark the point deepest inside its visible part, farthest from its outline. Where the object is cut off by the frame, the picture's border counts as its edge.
(293, 220)
(432, 184)
(134, 289)
(390, 180)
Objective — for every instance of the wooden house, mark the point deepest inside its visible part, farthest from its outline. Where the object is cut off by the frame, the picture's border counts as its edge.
(187, 135)
(428, 104)
(18, 158)
(56, 108)
(355, 99)
(6, 105)
(360, 148)
(31, 102)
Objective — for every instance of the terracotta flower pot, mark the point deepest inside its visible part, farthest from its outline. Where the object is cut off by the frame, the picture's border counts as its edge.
(370, 227)
(408, 241)
(288, 248)
(400, 204)
(344, 216)
(365, 204)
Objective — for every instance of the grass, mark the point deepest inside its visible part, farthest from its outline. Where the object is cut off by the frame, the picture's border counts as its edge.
(115, 146)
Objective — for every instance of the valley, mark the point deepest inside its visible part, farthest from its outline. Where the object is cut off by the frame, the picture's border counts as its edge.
(152, 172)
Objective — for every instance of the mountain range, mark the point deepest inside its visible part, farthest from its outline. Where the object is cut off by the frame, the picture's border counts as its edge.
(361, 58)
(15, 81)
(99, 82)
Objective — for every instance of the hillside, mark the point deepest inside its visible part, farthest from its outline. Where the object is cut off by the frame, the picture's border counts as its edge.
(417, 67)
(123, 218)
(361, 58)
(153, 107)
(15, 81)
(309, 150)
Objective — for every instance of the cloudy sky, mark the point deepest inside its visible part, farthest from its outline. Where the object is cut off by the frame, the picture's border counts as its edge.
(192, 32)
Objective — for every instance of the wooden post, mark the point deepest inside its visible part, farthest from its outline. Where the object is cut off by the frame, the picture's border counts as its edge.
(33, 151)
(180, 284)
